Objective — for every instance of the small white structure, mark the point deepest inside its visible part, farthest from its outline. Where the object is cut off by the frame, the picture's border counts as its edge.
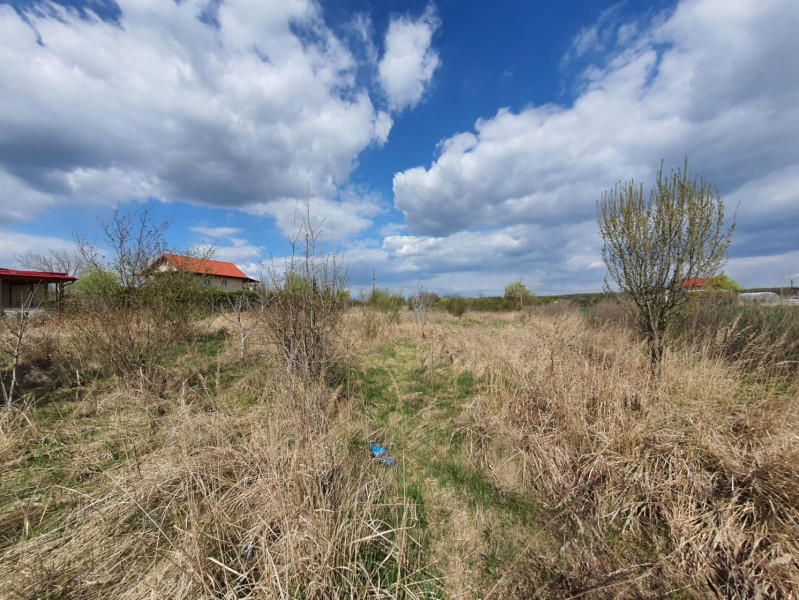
(759, 297)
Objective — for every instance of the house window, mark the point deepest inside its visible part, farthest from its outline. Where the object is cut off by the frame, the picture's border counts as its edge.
(206, 281)
(224, 283)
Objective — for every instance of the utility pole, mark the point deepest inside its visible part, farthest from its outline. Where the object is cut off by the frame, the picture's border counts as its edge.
(373, 284)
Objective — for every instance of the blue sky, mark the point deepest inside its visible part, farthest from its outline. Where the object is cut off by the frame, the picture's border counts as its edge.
(459, 144)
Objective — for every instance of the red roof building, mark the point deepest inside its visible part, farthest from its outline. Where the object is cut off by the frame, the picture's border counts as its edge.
(27, 276)
(215, 273)
(18, 288)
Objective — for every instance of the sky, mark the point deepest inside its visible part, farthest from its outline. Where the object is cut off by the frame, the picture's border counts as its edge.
(457, 145)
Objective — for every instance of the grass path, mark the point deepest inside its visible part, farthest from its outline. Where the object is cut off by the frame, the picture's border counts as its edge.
(420, 403)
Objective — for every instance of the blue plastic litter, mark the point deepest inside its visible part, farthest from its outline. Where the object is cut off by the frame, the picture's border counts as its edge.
(381, 455)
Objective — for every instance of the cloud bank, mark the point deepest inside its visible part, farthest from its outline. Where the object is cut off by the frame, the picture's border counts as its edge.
(244, 104)
(716, 80)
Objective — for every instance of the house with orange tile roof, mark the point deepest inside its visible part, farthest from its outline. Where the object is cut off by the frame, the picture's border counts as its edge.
(215, 273)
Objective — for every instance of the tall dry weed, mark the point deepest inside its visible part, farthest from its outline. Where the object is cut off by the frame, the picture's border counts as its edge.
(763, 339)
(251, 490)
(684, 485)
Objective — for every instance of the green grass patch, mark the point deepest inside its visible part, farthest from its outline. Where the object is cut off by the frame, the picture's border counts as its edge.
(480, 492)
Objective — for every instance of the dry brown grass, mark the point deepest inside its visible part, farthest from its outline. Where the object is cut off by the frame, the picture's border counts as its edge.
(685, 485)
(568, 471)
(237, 480)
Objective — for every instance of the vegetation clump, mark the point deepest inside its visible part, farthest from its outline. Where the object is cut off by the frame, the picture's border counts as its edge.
(457, 306)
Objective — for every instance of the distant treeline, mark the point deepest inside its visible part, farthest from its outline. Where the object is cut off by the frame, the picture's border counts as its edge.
(385, 298)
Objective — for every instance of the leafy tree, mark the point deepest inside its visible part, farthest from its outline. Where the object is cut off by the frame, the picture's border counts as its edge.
(722, 283)
(651, 246)
(98, 281)
(517, 292)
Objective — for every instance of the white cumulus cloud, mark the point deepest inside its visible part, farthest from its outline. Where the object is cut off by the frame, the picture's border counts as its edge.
(409, 61)
(250, 107)
(14, 244)
(335, 219)
(559, 258)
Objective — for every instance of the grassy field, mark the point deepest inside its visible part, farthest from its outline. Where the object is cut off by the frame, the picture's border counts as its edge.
(534, 457)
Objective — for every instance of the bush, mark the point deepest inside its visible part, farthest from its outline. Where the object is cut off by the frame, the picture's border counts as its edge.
(306, 303)
(388, 302)
(132, 333)
(216, 300)
(133, 320)
(491, 304)
(457, 306)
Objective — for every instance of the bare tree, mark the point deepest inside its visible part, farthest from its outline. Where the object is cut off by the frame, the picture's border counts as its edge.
(54, 260)
(652, 246)
(420, 303)
(134, 241)
(137, 317)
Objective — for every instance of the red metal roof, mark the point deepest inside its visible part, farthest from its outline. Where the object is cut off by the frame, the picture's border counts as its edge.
(37, 275)
(694, 282)
(205, 266)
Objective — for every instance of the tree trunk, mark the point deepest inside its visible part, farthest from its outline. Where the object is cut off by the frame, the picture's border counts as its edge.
(655, 354)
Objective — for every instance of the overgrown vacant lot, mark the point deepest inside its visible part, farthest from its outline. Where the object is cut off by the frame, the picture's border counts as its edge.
(534, 457)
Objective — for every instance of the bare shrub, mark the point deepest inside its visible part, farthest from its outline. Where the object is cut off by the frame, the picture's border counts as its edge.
(421, 302)
(14, 327)
(612, 312)
(372, 325)
(131, 321)
(245, 312)
(306, 300)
